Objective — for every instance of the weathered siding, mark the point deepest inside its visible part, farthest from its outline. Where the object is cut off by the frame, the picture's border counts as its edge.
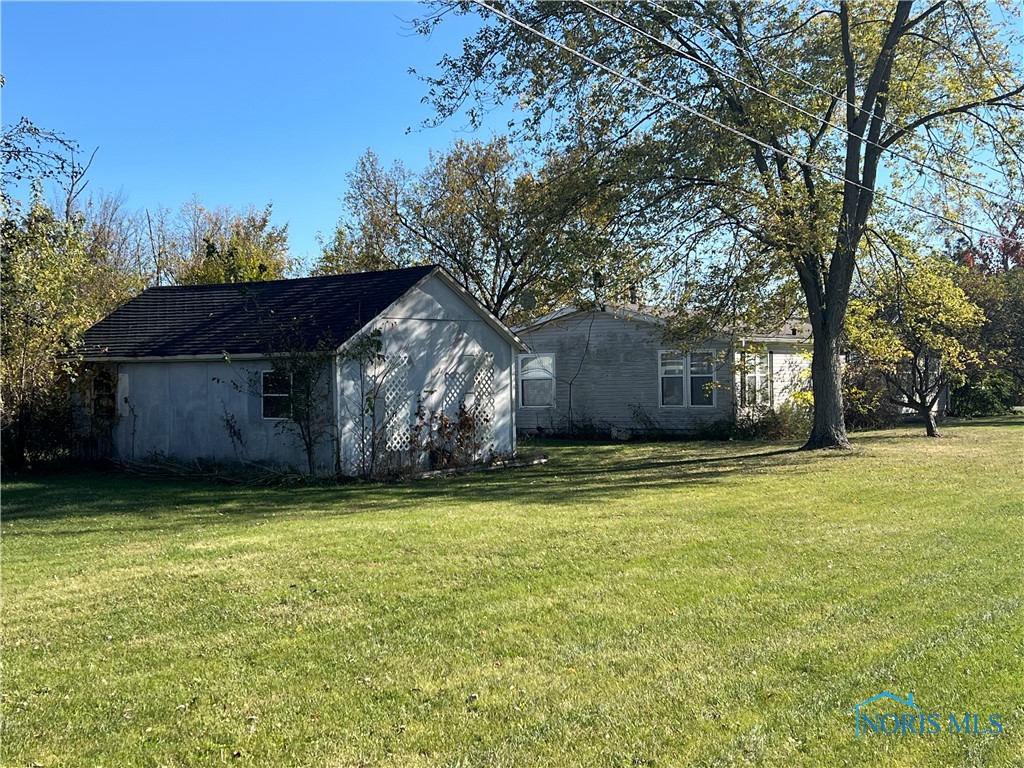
(607, 377)
(178, 410)
(447, 352)
(790, 371)
(438, 333)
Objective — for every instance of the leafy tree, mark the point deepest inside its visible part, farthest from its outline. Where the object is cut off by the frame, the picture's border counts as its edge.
(762, 129)
(338, 256)
(1002, 249)
(994, 279)
(1004, 333)
(918, 332)
(30, 153)
(522, 240)
(45, 269)
(116, 248)
(56, 282)
(235, 247)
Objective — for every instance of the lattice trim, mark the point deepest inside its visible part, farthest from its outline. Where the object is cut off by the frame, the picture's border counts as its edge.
(483, 403)
(397, 403)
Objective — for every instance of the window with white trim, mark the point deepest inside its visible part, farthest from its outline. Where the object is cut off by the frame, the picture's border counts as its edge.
(755, 384)
(672, 378)
(276, 393)
(702, 379)
(537, 381)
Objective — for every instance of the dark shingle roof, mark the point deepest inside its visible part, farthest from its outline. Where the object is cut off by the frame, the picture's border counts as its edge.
(241, 318)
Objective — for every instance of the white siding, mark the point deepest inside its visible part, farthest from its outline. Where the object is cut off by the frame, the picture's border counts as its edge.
(439, 332)
(607, 377)
(177, 409)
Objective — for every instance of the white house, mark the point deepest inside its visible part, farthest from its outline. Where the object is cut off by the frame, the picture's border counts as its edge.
(607, 369)
(414, 369)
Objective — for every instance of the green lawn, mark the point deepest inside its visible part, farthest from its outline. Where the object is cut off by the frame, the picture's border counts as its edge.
(703, 604)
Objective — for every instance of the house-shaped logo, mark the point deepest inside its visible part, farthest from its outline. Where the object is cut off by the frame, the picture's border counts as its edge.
(875, 724)
(908, 719)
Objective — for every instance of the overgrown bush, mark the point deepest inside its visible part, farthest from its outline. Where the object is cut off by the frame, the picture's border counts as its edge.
(719, 429)
(987, 394)
(866, 404)
(40, 431)
(789, 421)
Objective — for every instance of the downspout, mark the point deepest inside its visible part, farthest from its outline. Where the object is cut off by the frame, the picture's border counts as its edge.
(337, 414)
(513, 405)
(739, 381)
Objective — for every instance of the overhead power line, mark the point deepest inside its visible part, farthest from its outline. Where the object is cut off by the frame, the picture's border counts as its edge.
(728, 128)
(778, 100)
(710, 33)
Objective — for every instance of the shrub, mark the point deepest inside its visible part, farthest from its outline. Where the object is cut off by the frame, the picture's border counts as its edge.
(866, 404)
(720, 429)
(987, 394)
(788, 421)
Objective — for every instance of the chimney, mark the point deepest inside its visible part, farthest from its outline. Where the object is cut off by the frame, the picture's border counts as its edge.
(634, 297)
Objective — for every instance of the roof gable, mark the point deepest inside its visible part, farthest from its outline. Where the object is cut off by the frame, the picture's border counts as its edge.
(793, 331)
(630, 313)
(243, 318)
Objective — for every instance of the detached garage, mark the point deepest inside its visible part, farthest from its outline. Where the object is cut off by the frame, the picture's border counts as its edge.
(347, 374)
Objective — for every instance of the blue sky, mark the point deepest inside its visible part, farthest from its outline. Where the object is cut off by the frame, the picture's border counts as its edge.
(241, 103)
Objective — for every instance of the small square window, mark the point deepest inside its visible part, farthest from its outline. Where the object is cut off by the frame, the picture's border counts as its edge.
(537, 381)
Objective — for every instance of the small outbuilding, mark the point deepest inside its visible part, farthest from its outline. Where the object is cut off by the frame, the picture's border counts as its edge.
(609, 370)
(347, 374)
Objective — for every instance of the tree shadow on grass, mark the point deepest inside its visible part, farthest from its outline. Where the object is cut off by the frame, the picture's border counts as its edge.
(1009, 420)
(914, 430)
(575, 474)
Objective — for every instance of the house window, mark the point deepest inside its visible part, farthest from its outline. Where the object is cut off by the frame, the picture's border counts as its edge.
(702, 379)
(277, 395)
(104, 397)
(672, 376)
(755, 383)
(536, 381)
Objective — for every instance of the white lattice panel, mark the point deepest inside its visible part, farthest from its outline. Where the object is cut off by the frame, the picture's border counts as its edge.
(397, 403)
(483, 403)
(454, 390)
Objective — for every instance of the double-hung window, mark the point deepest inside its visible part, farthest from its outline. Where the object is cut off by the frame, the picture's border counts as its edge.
(755, 383)
(277, 394)
(686, 379)
(672, 378)
(537, 381)
(702, 379)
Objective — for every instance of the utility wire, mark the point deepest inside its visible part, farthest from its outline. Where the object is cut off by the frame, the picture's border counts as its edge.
(694, 25)
(778, 100)
(735, 131)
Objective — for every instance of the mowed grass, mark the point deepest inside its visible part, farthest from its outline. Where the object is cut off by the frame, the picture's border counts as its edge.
(703, 604)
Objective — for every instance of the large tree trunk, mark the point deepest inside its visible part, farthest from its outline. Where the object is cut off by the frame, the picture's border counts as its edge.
(930, 427)
(829, 430)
